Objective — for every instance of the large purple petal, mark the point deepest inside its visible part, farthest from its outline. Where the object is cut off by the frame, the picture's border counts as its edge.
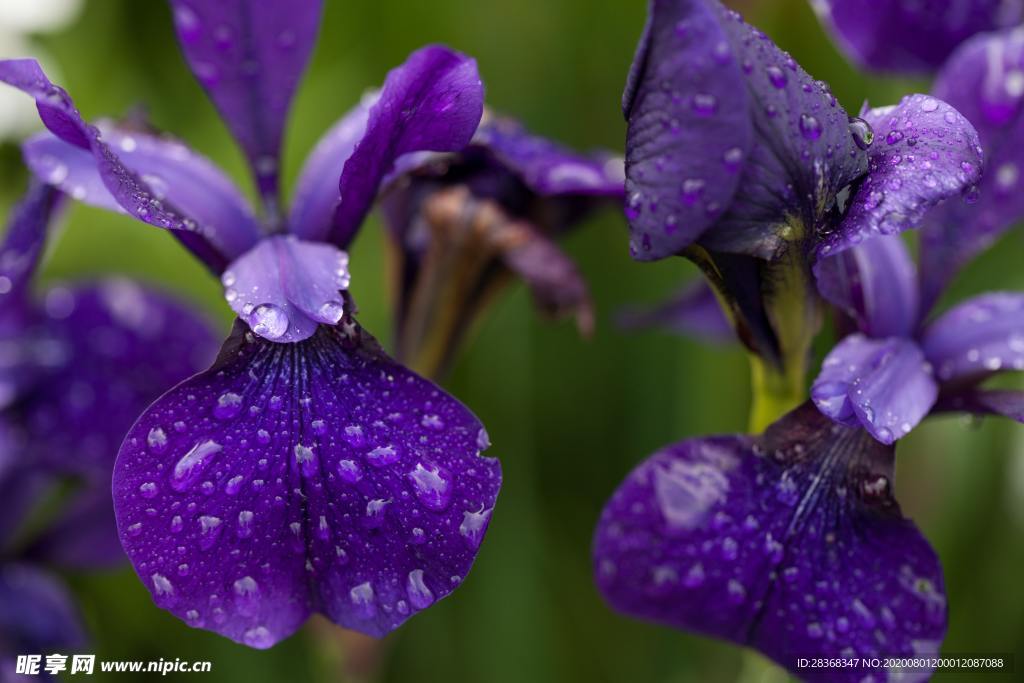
(293, 478)
(924, 152)
(284, 287)
(249, 56)
(433, 102)
(132, 193)
(791, 543)
(875, 284)
(909, 35)
(693, 312)
(37, 614)
(983, 80)
(885, 385)
(116, 346)
(977, 338)
(172, 172)
(316, 192)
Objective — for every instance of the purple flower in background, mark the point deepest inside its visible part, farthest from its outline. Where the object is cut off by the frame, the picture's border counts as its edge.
(77, 366)
(463, 224)
(305, 471)
(911, 36)
(693, 311)
(790, 543)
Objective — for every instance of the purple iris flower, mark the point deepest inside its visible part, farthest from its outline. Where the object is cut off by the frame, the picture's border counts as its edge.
(462, 225)
(911, 36)
(77, 365)
(305, 471)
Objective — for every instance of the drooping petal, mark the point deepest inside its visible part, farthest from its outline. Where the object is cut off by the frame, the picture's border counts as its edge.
(23, 243)
(924, 152)
(875, 284)
(316, 476)
(115, 347)
(284, 287)
(316, 192)
(885, 385)
(791, 543)
(693, 312)
(172, 172)
(249, 56)
(977, 338)
(754, 143)
(132, 193)
(1005, 402)
(433, 102)
(983, 80)
(37, 615)
(909, 36)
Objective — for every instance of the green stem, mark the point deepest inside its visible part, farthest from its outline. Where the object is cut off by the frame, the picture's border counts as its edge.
(774, 391)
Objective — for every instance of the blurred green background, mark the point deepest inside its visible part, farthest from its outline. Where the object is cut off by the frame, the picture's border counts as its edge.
(568, 417)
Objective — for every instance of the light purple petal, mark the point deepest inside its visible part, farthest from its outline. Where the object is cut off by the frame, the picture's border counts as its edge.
(316, 192)
(983, 81)
(115, 347)
(977, 338)
(924, 152)
(37, 614)
(61, 117)
(298, 478)
(884, 384)
(249, 55)
(172, 172)
(1005, 402)
(908, 35)
(433, 102)
(284, 287)
(693, 312)
(875, 284)
(791, 543)
(690, 128)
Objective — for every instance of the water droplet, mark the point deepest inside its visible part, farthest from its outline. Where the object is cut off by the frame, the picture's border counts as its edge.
(331, 312)
(306, 460)
(209, 531)
(247, 596)
(192, 464)
(245, 523)
(432, 485)
(375, 511)
(349, 471)
(148, 489)
(363, 598)
(258, 637)
(269, 321)
(473, 527)
(419, 593)
(929, 104)
(733, 159)
(383, 456)
(229, 404)
(234, 485)
(164, 589)
(704, 104)
(777, 77)
(157, 439)
(810, 127)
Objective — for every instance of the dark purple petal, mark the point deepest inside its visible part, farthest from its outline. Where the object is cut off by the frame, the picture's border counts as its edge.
(316, 192)
(983, 81)
(690, 128)
(875, 284)
(433, 102)
(23, 243)
(293, 478)
(924, 151)
(172, 172)
(977, 338)
(791, 543)
(85, 533)
(757, 149)
(249, 56)
(693, 312)
(37, 615)
(908, 35)
(885, 385)
(547, 168)
(115, 347)
(1005, 402)
(284, 287)
(61, 117)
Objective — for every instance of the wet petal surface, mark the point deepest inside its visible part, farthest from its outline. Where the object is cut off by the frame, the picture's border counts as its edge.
(316, 476)
(791, 543)
(884, 384)
(924, 152)
(249, 56)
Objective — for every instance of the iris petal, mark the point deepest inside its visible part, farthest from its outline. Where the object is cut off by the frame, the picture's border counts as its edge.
(977, 338)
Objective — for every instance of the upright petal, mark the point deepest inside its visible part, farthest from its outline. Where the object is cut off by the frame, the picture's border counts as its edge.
(885, 385)
(115, 347)
(692, 312)
(983, 80)
(977, 338)
(875, 284)
(316, 476)
(249, 56)
(924, 152)
(909, 36)
(433, 102)
(131, 192)
(316, 192)
(791, 543)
